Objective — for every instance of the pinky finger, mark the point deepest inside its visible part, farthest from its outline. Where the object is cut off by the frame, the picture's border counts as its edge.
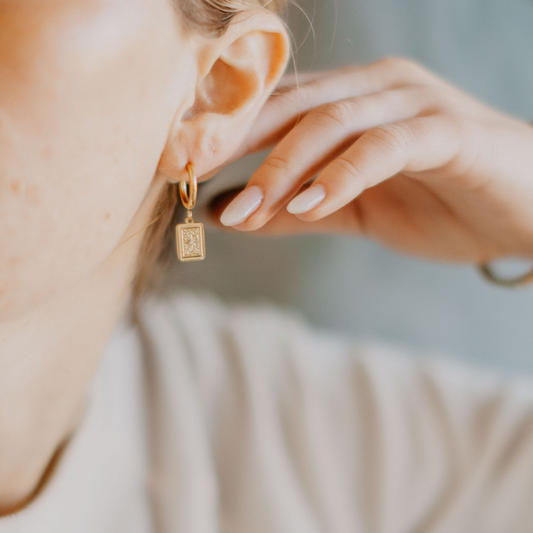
(415, 145)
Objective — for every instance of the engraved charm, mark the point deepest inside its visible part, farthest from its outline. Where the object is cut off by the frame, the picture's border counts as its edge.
(190, 238)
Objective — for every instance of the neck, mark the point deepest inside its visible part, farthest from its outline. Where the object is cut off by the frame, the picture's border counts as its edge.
(47, 359)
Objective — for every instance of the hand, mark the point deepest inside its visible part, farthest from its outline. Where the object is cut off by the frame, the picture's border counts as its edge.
(401, 157)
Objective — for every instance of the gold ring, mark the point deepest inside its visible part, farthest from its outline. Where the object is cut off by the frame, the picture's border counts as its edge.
(488, 273)
(188, 195)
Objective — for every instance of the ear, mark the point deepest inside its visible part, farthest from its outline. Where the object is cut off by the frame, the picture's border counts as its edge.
(236, 73)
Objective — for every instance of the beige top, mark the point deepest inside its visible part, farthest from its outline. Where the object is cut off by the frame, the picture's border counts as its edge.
(246, 421)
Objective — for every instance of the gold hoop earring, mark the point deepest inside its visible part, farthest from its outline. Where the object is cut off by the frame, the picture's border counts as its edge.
(190, 236)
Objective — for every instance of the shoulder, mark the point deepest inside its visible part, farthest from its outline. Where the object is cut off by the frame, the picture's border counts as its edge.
(260, 334)
(287, 403)
(277, 349)
(262, 348)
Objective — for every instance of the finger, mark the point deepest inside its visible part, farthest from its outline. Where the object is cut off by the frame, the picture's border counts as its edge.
(299, 78)
(343, 221)
(411, 146)
(290, 103)
(323, 134)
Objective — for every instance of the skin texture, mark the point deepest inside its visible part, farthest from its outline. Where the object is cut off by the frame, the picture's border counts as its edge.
(101, 102)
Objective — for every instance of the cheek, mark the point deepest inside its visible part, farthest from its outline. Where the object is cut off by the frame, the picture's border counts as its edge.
(80, 139)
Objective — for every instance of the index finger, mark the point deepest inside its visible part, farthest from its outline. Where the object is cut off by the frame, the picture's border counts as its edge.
(297, 95)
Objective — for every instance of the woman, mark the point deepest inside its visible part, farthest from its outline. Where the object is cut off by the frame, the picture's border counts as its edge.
(201, 418)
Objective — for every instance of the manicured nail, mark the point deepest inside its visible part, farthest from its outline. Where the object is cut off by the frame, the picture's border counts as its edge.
(244, 205)
(308, 200)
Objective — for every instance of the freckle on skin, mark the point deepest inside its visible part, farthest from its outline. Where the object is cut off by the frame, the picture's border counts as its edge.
(15, 187)
(107, 216)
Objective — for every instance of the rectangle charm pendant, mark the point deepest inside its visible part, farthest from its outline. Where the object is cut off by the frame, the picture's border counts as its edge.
(190, 240)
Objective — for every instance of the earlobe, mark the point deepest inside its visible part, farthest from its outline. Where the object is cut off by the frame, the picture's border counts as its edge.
(236, 73)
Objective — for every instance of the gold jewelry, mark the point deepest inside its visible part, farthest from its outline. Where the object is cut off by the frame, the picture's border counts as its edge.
(190, 236)
(488, 273)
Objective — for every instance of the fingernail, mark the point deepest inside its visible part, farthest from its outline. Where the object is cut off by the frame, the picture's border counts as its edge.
(243, 206)
(307, 200)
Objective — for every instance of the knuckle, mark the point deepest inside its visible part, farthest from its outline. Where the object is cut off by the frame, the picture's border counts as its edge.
(337, 112)
(284, 101)
(349, 72)
(292, 99)
(439, 96)
(404, 66)
(390, 99)
(408, 65)
(348, 69)
(276, 163)
(424, 99)
(346, 167)
(389, 62)
(453, 122)
(391, 137)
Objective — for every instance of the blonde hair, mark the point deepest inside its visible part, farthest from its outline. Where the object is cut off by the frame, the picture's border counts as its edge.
(204, 16)
(214, 16)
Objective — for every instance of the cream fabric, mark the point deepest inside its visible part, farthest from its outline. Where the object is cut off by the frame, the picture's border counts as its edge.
(209, 419)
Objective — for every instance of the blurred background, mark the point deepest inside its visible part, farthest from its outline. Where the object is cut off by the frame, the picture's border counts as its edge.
(352, 285)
